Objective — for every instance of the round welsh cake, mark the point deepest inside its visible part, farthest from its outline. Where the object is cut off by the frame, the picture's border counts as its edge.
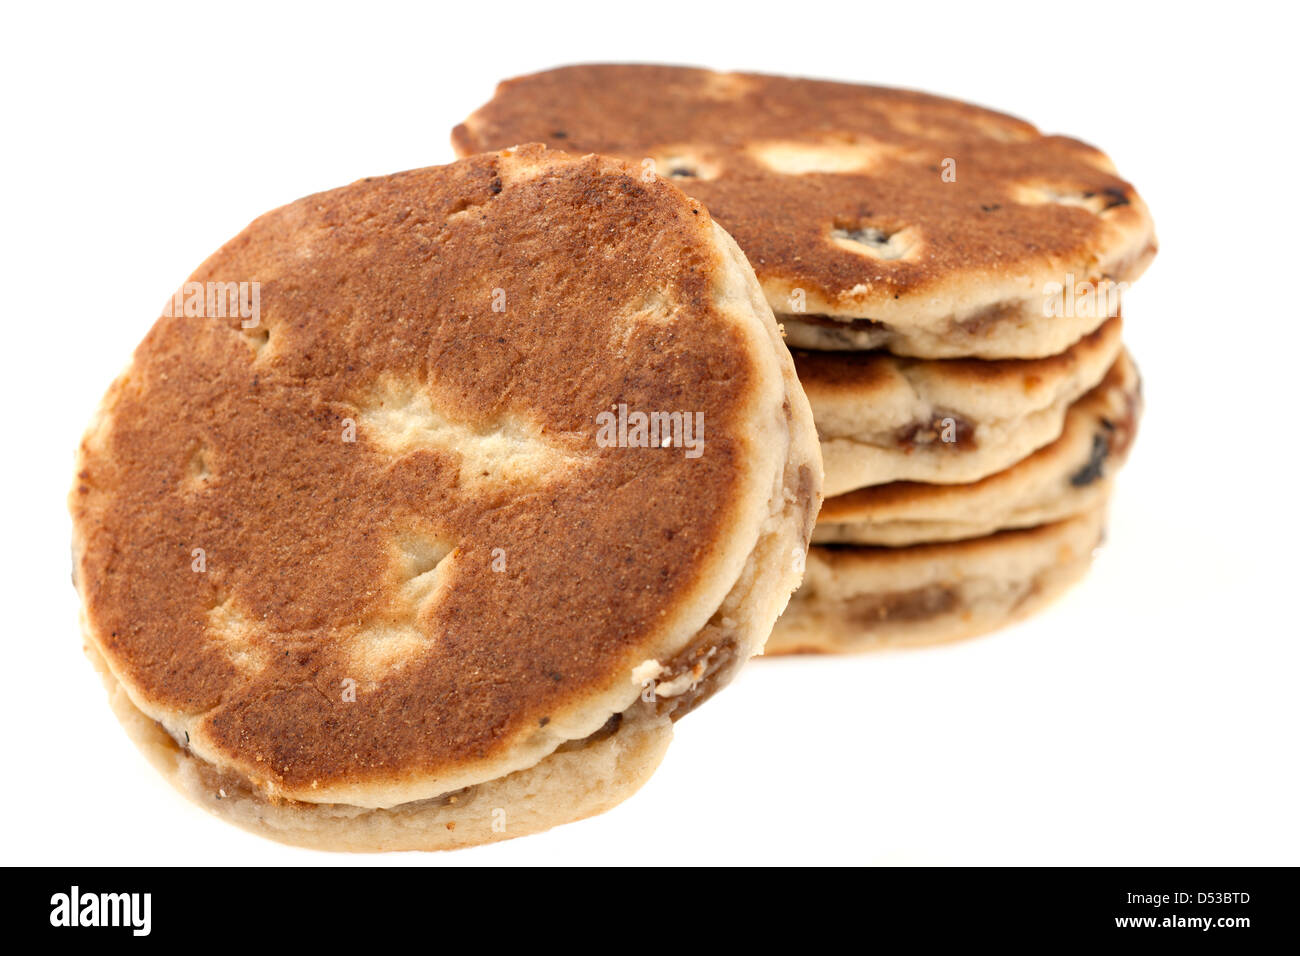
(874, 217)
(436, 499)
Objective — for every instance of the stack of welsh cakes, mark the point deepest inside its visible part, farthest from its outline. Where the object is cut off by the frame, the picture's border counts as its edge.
(950, 281)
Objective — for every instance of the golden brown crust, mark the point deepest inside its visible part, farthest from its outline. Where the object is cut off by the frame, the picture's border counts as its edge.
(783, 163)
(230, 440)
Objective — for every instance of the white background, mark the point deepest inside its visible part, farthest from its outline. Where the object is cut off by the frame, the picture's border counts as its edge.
(1149, 717)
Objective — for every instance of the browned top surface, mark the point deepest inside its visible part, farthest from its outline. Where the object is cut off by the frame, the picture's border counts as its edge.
(979, 225)
(210, 443)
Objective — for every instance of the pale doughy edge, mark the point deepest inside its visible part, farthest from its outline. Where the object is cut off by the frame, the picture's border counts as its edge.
(860, 433)
(896, 534)
(1061, 480)
(949, 321)
(997, 581)
(853, 464)
(564, 787)
(1023, 334)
